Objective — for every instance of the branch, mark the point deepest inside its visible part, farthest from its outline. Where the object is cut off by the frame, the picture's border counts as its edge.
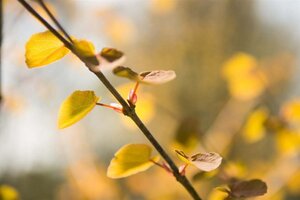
(128, 110)
(44, 6)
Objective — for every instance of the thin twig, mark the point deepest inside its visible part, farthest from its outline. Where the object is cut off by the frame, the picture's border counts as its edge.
(127, 110)
(44, 6)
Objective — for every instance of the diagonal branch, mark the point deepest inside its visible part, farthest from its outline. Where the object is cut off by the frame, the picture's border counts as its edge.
(129, 111)
(44, 6)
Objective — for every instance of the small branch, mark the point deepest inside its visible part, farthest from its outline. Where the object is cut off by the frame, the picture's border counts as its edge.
(44, 6)
(127, 109)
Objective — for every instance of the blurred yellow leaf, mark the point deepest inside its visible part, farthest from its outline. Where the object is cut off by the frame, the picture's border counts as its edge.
(288, 141)
(131, 159)
(217, 194)
(294, 183)
(254, 129)
(163, 6)
(235, 169)
(75, 107)
(8, 193)
(291, 111)
(44, 48)
(238, 65)
(120, 29)
(245, 80)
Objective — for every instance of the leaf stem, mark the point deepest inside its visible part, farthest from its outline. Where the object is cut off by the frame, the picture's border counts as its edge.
(127, 109)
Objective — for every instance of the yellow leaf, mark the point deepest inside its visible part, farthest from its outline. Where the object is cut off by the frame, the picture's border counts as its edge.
(84, 48)
(239, 64)
(110, 54)
(8, 193)
(44, 48)
(163, 6)
(288, 141)
(217, 194)
(75, 107)
(126, 72)
(291, 111)
(254, 129)
(245, 80)
(131, 159)
(86, 51)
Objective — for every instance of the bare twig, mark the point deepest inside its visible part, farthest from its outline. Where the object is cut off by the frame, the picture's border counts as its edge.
(44, 6)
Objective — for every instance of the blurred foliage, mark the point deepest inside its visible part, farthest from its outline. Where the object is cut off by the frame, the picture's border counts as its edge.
(232, 96)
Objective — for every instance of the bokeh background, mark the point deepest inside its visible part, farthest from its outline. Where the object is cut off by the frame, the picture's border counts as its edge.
(236, 93)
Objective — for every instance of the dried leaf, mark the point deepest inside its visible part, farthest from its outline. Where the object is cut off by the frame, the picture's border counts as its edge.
(157, 76)
(204, 161)
(245, 189)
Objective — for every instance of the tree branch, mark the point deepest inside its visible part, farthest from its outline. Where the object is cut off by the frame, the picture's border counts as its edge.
(128, 110)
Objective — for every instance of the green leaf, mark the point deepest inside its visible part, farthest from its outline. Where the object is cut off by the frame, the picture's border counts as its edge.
(131, 159)
(44, 48)
(111, 54)
(126, 72)
(245, 189)
(75, 107)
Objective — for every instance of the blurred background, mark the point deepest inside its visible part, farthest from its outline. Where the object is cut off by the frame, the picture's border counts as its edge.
(236, 93)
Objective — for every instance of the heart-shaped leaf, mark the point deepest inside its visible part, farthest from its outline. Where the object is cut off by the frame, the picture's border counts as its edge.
(75, 107)
(131, 159)
(44, 48)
